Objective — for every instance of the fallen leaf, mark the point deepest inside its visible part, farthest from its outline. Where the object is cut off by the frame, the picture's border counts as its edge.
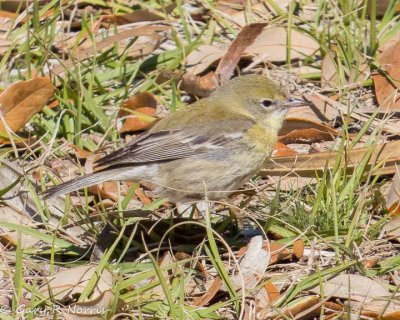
(387, 86)
(329, 72)
(66, 284)
(88, 49)
(7, 236)
(371, 262)
(139, 15)
(298, 248)
(265, 297)
(293, 308)
(88, 310)
(286, 183)
(382, 309)
(314, 311)
(392, 196)
(391, 229)
(312, 164)
(21, 101)
(272, 290)
(278, 251)
(204, 56)
(108, 189)
(81, 153)
(305, 131)
(253, 264)
(230, 6)
(142, 196)
(210, 294)
(319, 111)
(353, 286)
(245, 38)
(254, 42)
(257, 11)
(381, 7)
(199, 86)
(15, 5)
(13, 178)
(282, 150)
(139, 111)
(271, 45)
(384, 124)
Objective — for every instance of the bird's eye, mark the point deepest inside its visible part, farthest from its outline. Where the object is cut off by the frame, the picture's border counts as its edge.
(266, 103)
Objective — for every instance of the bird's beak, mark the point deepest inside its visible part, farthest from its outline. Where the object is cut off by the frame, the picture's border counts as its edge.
(294, 102)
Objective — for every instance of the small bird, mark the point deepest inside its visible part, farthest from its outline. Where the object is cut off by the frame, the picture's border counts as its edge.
(211, 147)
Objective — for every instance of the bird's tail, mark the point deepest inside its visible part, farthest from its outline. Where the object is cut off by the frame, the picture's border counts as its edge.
(81, 182)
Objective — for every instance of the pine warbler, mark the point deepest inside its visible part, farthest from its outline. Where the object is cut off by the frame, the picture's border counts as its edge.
(211, 147)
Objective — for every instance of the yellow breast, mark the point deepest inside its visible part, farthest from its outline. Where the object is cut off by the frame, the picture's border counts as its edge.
(261, 138)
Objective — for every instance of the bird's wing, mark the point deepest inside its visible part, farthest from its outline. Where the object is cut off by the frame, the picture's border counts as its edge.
(165, 145)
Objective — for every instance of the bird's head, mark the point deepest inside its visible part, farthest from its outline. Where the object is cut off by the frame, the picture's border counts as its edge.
(259, 96)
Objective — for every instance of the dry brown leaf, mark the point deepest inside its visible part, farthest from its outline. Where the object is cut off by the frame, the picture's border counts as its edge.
(281, 252)
(371, 262)
(230, 6)
(381, 7)
(7, 236)
(309, 135)
(203, 86)
(331, 311)
(109, 189)
(278, 251)
(94, 309)
(391, 229)
(64, 285)
(204, 56)
(268, 44)
(7, 22)
(384, 124)
(199, 86)
(353, 286)
(211, 292)
(142, 196)
(22, 100)
(139, 111)
(382, 309)
(271, 45)
(294, 308)
(387, 91)
(81, 153)
(8, 15)
(253, 264)
(319, 111)
(256, 10)
(304, 308)
(143, 48)
(139, 15)
(245, 38)
(272, 290)
(24, 202)
(392, 196)
(329, 70)
(305, 131)
(265, 297)
(286, 183)
(329, 73)
(16, 5)
(311, 164)
(298, 248)
(282, 150)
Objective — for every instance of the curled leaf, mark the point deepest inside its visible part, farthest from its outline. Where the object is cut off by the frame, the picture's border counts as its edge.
(21, 101)
(139, 111)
